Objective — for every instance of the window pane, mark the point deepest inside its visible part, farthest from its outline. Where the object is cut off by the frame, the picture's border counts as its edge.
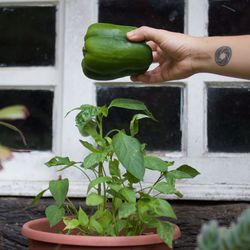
(37, 128)
(27, 36)
(165, 14)
(228, 119)
(229, 17)
(163, 102)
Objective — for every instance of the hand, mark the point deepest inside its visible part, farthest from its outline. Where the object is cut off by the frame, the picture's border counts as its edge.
(172, 51)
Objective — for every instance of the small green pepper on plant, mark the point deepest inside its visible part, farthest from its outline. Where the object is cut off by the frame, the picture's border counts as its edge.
(118, 161)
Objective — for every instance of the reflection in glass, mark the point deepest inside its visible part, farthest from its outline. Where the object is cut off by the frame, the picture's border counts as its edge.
(228, 119)
(229, 17)
(163, 102)
(37, 128)
(159, 14)
(27, 36)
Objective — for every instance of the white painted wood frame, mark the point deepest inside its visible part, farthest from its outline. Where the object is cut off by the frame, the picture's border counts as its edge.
(223, 176)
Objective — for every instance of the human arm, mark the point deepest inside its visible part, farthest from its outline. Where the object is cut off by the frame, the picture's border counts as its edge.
(180, 56)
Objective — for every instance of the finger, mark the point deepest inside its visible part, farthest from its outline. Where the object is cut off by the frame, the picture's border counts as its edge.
(156, 57)
(153, 76)
(146, 34)
(152, 45)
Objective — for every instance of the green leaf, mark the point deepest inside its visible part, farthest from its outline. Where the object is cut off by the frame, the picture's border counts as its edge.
(115, 186)
(93, 159)
(114, 168)
(37, 198)
(161, 207)
(86, 128)
(131, 178)
(119, 226)
(97, 181)
(145, 211)
(59, 161)
(86, 119)
(151, 208)
(103, 110)
(83, 217)
(134, 124)
(95, 225)
(59, 190)
(128, 194)
(71, 224)
(155, 163)
(14, 112)
(116, 203)
(128, 152)
(88, 146)
(128, 104)
(54, 214)
(104, 217)
(94, 199)
(88, 112)
(169, 163)
(115, 193)
(167, 188)
(166, 232)
(184, 172)
(126, 209)
(110, 231)
(131, 104)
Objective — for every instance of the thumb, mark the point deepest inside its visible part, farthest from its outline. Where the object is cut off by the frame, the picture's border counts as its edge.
(146, 34)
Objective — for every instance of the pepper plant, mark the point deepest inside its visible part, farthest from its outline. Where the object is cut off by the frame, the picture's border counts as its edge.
(124, 205)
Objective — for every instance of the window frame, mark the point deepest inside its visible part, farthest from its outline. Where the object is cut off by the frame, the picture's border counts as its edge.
(219, 179)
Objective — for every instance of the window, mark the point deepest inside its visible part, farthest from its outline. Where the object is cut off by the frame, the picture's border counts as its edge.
(204, 119)
(37, 127)
(228, 118)
(30, 68)
(28, 35)
(164, 135)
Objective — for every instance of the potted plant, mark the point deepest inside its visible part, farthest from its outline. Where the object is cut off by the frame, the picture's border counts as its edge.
(127, 213)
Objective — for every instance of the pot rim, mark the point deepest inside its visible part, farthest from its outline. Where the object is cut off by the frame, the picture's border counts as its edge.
(81, 240)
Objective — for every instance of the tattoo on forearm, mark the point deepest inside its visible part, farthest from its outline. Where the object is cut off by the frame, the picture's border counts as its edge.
(223, 55)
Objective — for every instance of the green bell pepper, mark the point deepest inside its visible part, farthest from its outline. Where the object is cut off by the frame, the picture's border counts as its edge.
(108, 54)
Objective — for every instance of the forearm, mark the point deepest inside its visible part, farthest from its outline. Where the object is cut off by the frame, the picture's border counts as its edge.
(229, 56)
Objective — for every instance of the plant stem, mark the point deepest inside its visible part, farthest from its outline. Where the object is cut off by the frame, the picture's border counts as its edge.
(104, 188)
(111, 131)
(140, 186)
(159, 179)
(82, 172)
(156, 195)
(72, 205)
(144, 189)
(99, 175)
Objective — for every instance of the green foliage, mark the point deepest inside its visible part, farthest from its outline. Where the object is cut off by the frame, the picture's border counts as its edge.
(236, 237)
(118, 161)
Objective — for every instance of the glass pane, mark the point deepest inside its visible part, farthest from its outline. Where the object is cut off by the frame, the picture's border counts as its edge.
(165, 14)
(37, 128)
(228, 119)
(229, 17)
(163, 102)
(27, 36)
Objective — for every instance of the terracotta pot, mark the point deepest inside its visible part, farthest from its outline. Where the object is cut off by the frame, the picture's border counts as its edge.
(42, 237)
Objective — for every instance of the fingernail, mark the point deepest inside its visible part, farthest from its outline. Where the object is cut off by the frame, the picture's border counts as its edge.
(130, 33)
